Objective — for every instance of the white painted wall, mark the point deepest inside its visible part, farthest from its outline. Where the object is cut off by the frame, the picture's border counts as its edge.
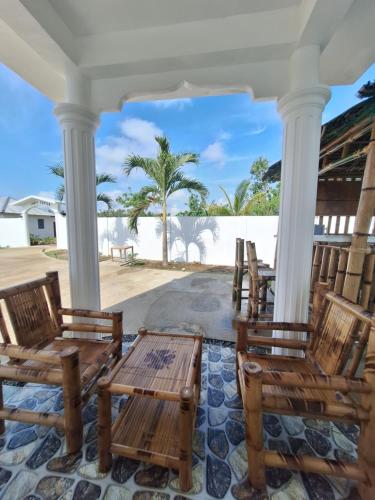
(209, 240)
(32, 224)
(13, 232)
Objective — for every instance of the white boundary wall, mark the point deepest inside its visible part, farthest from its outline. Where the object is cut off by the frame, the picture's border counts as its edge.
(13, 232)
(209, 240)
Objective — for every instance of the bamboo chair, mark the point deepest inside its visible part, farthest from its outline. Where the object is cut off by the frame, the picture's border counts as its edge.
(42, 355)
(322, 385)
(239, 271)
(259, 284)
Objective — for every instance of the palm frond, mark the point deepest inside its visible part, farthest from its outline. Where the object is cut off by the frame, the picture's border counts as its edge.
(163, 144)
(60, 192)
(185, 158)
(190, 185)
(105, 199)
(241, 196)
(57, 169)
(136, 212)
(135, 161)
(230, 206)
(103, 178)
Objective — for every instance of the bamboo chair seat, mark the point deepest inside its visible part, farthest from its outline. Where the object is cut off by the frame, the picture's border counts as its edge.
(92, 356)
(323, 384)
(41, 354)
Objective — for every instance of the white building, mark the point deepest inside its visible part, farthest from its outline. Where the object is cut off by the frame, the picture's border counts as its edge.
(27, 217)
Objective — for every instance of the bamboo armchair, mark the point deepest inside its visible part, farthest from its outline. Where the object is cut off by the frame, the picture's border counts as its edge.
(42, 355)
(322, 385)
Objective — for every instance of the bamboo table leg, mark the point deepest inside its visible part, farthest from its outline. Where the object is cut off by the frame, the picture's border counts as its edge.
(186, 439)
(104, 424)
(72, 399)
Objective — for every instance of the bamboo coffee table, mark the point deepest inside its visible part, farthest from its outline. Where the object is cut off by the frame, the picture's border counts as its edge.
(161, 374)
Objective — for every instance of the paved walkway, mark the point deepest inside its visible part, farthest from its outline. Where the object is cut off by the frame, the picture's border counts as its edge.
(154, 298)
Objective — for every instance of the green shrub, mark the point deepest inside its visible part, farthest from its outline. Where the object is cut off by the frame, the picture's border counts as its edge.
(37, 240)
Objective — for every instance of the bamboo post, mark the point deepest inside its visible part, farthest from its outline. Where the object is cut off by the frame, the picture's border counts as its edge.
(54, 295)
(186, 438)
(117, 332)
(316, 266)
(2, 423)
(362, 224)
(240, 268)
(366, 445)
(325, 261)
(346, 225)
(72, 398)
(255, 296)
(337, 225)
(368, 273)
(241, 346)
(235, 274)
(104, 424)
(252, 398)
(3, 328)
(332, 267)
(341, 269)
(329, 224)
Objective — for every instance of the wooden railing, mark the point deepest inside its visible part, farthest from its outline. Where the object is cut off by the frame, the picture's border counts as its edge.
(339, 224)
(330, 266)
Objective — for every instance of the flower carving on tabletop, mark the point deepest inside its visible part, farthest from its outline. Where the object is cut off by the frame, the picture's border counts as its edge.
(159, 358)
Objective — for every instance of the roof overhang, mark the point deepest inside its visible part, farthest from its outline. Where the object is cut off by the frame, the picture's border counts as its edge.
(137, 50)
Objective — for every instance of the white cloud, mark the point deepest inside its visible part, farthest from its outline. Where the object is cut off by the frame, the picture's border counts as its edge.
(256, 130)
(136, 137)
(178, 104)
(224, 136)
(214, 152)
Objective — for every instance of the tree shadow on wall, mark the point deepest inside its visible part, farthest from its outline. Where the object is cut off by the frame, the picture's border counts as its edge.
(187, 231)
(117, 234)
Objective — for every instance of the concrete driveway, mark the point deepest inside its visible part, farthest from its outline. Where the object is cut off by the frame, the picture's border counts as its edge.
(154, 298)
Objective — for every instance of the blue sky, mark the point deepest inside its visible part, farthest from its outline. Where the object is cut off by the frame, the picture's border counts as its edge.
(229, 132)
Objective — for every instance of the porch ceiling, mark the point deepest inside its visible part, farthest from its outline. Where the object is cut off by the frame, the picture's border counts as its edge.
(134, 50)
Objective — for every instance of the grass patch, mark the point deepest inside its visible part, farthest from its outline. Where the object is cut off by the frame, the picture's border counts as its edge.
(63, 255)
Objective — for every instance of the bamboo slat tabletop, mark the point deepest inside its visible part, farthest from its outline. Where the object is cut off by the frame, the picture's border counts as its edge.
(158, 363)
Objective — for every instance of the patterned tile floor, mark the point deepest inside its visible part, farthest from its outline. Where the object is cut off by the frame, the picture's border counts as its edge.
(34, 464)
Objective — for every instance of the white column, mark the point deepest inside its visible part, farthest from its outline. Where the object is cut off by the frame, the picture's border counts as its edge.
(301, 111)
(78, 124)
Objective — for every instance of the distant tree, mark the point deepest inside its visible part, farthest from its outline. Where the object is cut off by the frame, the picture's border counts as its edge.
(165, 172)
(217, 209)
(113, 212)
(240, 202)
(197, 206)
(58, 171)
(367, 90)
(265, 197)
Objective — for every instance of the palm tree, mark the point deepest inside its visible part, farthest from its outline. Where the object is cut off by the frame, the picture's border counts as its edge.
(241, 201)
(58, 170)
(165, 172)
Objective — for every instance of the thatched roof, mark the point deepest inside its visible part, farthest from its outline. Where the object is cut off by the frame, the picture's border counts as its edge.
(356, 119)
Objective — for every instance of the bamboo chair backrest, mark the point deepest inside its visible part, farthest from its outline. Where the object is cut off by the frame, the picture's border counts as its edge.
(32, 311)
(253, 268)
(340, 324)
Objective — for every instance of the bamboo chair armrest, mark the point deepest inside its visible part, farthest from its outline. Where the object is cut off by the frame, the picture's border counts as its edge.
(312, 381)
(86, 328)
(277, 325)
(255, 340)
(87, 313)
(30, 354)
